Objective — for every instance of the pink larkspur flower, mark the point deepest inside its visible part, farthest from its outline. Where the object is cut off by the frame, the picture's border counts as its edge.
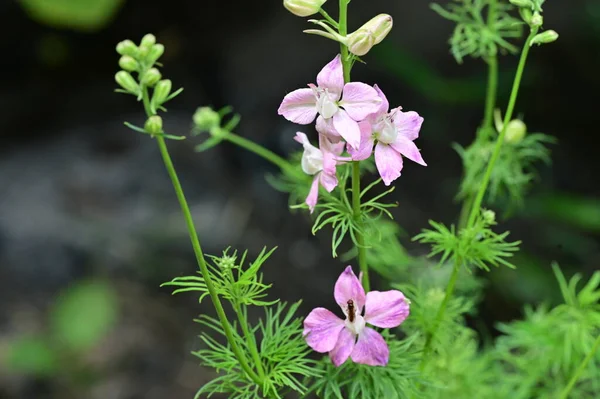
(351, 338)
(321, 163)
(395, 132)
(337, 103)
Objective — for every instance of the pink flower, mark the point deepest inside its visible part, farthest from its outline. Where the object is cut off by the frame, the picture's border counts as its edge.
(321, 163)
(395, 132)
(357, 101)
(325, 332)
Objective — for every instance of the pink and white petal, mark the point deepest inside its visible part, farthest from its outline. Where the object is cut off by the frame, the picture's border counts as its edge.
(385, 105)
(365, 149)
(389, 163)
(325, 128)
(407, 148)
(321, 329)
(360, 100)
(299, 106)
(408, 123)
(327, 145)
(301, 138)
(313, 194)
(349, 287)
(329, 162)
(328, 181)
(343, 348)
(331, 77)
(371, 349)
(347, 128)
(386, 309)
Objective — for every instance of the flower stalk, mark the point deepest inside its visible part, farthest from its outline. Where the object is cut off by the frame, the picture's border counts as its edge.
(565, 393)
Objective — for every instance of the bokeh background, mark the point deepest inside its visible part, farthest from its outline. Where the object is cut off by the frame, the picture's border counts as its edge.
(89, 225)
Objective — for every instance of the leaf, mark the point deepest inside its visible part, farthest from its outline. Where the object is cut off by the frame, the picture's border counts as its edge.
(84, 314)
(83, 15)
(32, 355)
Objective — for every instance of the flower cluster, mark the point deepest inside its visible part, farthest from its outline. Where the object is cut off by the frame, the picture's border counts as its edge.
(352, 115)
(351, 338)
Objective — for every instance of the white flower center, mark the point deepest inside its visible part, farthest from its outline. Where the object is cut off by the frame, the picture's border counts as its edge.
(312, 160)
(325, 105)
(357, 325)
(388, 132)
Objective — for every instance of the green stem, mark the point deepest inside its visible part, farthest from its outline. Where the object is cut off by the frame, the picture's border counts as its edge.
(259, 150)
(198, 249)
(250, 341)
(565, 393)
(328, 18)
(360, 241)
(509, 112)
(356, 212)
(492, 89)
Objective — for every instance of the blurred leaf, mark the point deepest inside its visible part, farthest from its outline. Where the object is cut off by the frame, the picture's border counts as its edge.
(581, 212)
(32, 355)
(84, 314)
(85, 15)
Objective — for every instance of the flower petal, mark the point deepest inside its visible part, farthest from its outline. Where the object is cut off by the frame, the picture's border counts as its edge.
(343, 348)
(407, 148)
(360, 100)
(385, 105)
(331, 77)
(371, 349)
(347, 128)
(365, 149)
(334, 147)
(299, 106)
(313, 194)
(349, 287)
(386, 309)
(408, 123)
(389, 163)
(328, 180)
(325, 128)
(321, 329)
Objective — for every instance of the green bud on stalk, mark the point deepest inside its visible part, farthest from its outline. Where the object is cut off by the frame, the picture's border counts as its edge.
(522, 3)
(154, 125)
(548, 36)
(128, 63)
(161, 92)
(156, 51)
(127, 82)
(303, 8)
(151, 77)
(127, 47)
(371, 33)
(206, 119)
(515, 131)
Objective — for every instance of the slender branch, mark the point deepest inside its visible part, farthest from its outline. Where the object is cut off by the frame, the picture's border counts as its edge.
(250, 340)
(492, 89)
(259, 150)
(565, 393)
(198, 249)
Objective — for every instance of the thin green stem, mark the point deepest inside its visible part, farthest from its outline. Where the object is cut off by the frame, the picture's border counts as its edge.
(328, 18)
(565, 393)
(250, 341)
(259, 150)
(198, 249)
(360, 240)
(492, 89)
(509, 112)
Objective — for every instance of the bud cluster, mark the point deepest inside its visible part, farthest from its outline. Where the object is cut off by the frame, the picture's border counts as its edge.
(531, 13)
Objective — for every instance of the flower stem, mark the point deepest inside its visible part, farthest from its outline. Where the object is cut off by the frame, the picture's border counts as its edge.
(250, 341)
(565, 393)
(198, 249)
(360, 240)
(509, 112)
(492, 89)
(259, 150)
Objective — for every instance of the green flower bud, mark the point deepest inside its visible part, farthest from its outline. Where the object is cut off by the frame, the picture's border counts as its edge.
(536, 20)
(154, 124)
(161, 92)
(127, 82)
(151, 76)
(379, 26)
(515, 131)
(148, 40)
(522, 3)
(489, 216)
(548, 36)
(128, 63)
(303, 8)
(361, 42)
(206, 119)
(156, 51)
(127, 47)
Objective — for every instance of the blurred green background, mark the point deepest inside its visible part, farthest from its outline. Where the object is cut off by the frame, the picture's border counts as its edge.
(89, 226)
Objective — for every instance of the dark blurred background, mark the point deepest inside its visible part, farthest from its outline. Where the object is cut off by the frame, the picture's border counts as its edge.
(89, 224)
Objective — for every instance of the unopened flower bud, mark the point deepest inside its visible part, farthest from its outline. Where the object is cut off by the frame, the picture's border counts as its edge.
(127, 82)
(548, 36)
(156, 51)
(151, 76)
(361, 42)
(379, 26)
(303, 8)
(522, 3)
(536, 20)
(206, 119)
(515, 131)
(127, 47)
(128, 63)
(489, 216)
(148, 40)
(161, 91)
(154, 124)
